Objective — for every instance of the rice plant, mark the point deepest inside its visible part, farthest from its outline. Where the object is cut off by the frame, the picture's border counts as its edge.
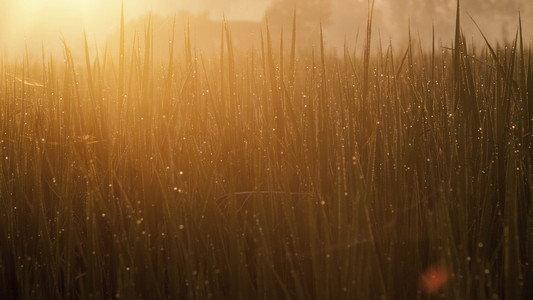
(268, 173)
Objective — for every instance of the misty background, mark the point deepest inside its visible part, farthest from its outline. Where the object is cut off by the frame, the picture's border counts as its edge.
(45, 22)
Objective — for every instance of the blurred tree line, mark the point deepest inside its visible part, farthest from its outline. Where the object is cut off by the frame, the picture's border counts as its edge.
(322, 9)
(497, 18)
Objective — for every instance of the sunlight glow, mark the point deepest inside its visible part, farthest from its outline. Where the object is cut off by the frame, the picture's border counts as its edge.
(36, 21)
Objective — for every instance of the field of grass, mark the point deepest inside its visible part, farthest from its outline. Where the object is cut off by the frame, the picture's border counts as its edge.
(272, 173)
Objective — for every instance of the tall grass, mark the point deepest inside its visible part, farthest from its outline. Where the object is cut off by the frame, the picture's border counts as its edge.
(254, 176)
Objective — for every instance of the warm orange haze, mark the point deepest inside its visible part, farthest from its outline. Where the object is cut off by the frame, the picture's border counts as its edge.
(272, 149)
(34, 22)
(37, 21)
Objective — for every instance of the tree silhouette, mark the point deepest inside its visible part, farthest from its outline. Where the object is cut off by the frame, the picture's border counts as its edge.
(310, 12)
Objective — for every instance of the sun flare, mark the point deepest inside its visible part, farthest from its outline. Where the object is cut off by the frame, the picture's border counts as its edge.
(39, 21)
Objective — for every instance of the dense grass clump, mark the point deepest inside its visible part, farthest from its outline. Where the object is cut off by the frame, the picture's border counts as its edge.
(268, 174)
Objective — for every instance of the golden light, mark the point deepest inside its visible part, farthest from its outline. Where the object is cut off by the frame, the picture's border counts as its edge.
(28, 16)
(34, 22)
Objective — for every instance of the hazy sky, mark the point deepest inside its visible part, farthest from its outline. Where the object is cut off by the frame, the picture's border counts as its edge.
(48, 20)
